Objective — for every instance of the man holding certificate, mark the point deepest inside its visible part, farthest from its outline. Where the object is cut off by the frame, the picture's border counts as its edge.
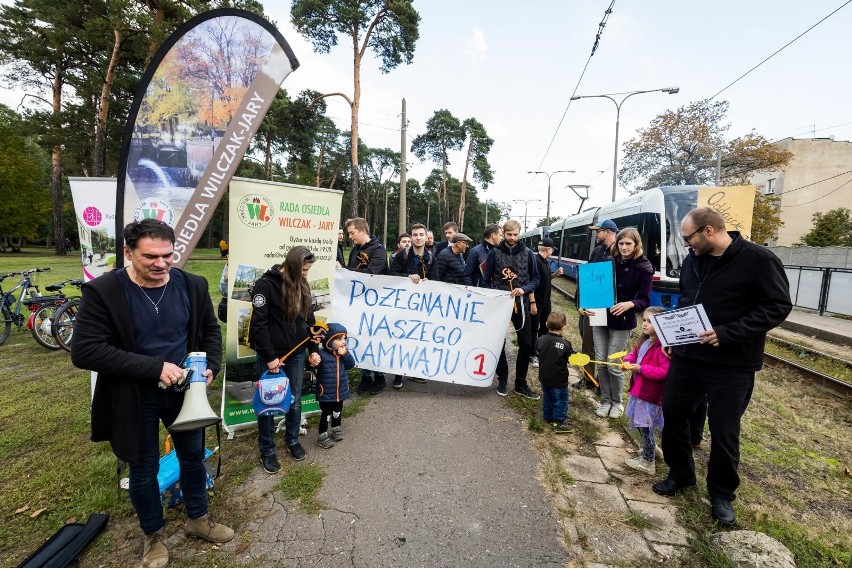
(744, 292)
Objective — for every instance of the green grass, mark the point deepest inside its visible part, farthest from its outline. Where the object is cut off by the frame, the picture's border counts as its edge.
(48, 461)
(301, 483)
(831, 367)
(639, 521)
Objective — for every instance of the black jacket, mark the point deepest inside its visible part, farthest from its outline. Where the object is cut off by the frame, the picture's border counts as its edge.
(553, 353)
(104, 342)
(270, 334)
(405, 262)
(543, 290)
(450, 267)
(372, 258)
(745, 294)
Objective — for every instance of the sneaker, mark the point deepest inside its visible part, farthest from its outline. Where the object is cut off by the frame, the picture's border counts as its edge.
(418, 379)
(641, 464)
(324, 441)
(579, 385)
(502, 387)
(208, 530)
(364, 386)
(534, 362)
(617, 411)
(561, 427)
(527, 392)
(270, 463)
(603, 409)
(380, 386)
(155, 554)
(297, 451)
(337, 433)
(397, 382)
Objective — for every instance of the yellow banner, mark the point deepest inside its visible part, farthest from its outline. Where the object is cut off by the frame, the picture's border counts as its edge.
(266, 220)
(735, 203)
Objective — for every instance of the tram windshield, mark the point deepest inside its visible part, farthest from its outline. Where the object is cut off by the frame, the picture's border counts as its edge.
(678, 202)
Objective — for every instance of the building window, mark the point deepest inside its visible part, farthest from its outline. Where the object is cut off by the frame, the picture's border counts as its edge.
(770, 186)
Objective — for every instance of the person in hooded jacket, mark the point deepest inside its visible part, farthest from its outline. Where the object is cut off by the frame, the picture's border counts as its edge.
(369, 256)
(512, 267)
(633, 276)
(333, 384)
(280, 332)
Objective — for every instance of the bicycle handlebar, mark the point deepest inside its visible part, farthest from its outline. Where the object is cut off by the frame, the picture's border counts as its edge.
(30, 271)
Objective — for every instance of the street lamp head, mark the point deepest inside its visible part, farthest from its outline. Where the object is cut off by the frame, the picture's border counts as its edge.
(576, 97)
(671, 90)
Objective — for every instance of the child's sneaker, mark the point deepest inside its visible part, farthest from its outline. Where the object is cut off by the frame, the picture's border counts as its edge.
(640, 464)
(617, 411)
(337, 433)
(324, 441)
(561, 427)
(603, 409)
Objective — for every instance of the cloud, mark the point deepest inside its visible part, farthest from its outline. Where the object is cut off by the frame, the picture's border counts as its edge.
(475, 50)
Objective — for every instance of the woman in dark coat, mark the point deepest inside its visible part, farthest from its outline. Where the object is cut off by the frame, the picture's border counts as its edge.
(281, 318)
(633, 276)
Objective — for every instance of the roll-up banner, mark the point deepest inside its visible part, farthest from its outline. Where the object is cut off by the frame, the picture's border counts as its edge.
(266, 220)
(197, 107)
(94, 206)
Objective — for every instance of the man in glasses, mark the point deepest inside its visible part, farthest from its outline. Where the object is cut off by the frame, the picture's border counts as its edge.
(745, 293)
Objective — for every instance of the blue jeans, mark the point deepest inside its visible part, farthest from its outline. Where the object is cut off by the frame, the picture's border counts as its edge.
(294, 368)
(554, 403)
(165, 405)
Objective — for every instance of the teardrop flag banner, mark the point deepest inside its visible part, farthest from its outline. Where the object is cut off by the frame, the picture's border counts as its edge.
(197, 107)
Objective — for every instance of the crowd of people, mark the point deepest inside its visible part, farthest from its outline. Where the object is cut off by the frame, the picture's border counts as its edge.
(135, 325)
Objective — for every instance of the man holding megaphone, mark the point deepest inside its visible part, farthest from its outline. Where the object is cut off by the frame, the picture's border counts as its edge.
(135, 327)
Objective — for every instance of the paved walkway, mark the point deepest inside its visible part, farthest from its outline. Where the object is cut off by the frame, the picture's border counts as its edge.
(444, 475)
(826, 328)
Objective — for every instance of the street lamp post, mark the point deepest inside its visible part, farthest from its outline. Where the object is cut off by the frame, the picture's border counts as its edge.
(526, 203)
(548, 184)
(669, 90)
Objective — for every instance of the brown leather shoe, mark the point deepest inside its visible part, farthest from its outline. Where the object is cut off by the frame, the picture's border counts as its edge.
(208, 530)
(155, 554)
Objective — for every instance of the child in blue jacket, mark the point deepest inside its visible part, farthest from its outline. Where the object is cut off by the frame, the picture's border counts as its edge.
(333, 383)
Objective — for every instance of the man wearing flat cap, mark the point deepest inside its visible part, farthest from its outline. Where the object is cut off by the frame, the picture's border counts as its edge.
(605, 232)
(542, 307)
(450, 261)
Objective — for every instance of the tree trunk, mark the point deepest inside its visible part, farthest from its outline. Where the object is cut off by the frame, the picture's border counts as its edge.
(267, 159)
(56, 163)
(319, 164)
(464, 185)
(103, 106)
(356, 103)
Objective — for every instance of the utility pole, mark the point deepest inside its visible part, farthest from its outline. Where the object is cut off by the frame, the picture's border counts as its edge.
(403, 207)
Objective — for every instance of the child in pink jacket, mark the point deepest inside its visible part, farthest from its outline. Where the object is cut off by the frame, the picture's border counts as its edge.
(649, 366)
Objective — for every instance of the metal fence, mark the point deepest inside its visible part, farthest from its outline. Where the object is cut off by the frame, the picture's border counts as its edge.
(821, 289)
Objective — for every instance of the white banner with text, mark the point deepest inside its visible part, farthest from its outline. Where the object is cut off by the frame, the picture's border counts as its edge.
(433, 330)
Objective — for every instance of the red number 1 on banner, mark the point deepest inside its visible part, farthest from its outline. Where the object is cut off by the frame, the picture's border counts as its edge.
(481, 359)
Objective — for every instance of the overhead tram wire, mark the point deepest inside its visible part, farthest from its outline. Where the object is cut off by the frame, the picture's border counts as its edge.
(601, 27)
(732, 83)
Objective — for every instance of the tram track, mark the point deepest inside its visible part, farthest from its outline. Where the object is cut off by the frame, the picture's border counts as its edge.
(837, 386)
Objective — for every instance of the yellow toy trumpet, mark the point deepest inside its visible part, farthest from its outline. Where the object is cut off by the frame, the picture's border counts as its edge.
(581, 360)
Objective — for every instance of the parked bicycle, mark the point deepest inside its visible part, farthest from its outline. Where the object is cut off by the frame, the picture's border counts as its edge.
(62, 323)
(43, 321)
(11, 307)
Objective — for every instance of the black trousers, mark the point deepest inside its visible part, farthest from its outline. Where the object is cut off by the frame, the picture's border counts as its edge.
(728, 392)
(332, 409)
(539, 325)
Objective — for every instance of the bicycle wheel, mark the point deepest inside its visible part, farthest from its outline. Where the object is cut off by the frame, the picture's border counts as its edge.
(43, 325)
(6, 324)
(63, 324)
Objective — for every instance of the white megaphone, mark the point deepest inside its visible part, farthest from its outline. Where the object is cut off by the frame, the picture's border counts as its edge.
(195, 412)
